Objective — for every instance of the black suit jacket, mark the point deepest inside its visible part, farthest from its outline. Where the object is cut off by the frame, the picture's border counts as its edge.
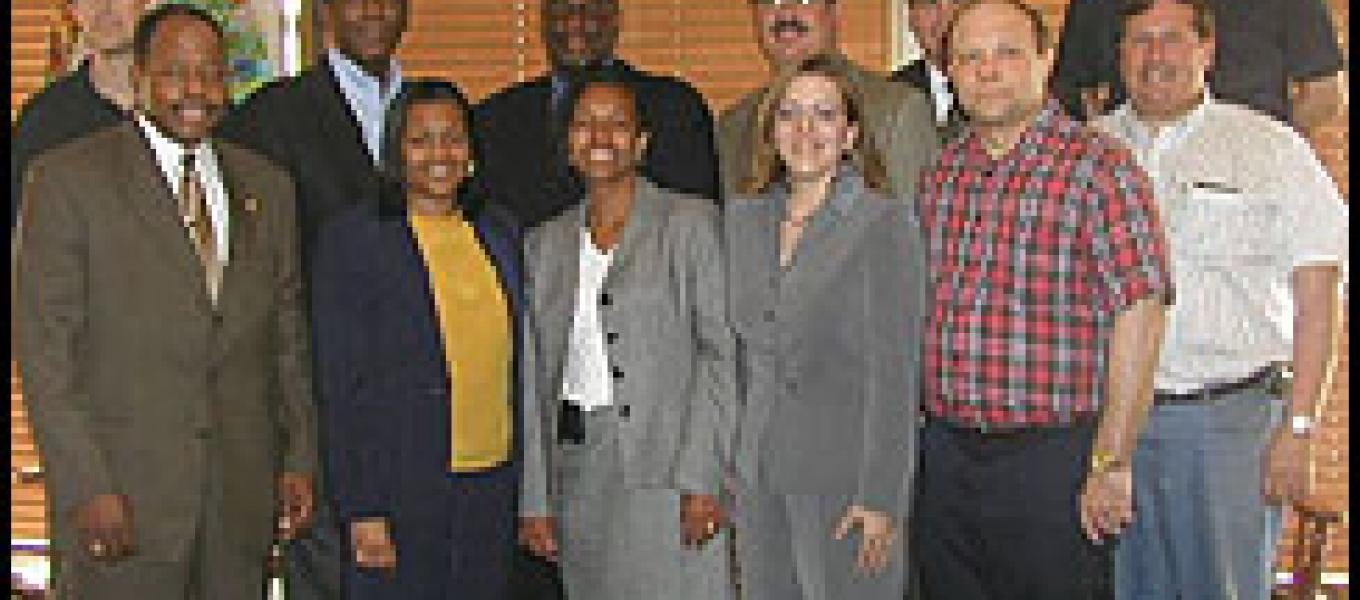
(522, 165)
(303, 124)
(916, 75)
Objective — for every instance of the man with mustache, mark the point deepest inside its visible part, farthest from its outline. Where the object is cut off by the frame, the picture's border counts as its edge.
(897, 117)
(1281, 57)
(1227, 442)
(162, 340)
(97, 94)
(522, 128)
(325, 128)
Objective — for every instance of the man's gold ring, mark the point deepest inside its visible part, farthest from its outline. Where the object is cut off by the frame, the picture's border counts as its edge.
(712, 527)
(97, 549)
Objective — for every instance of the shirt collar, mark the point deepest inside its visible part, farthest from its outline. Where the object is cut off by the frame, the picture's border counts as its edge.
(1050, 118)
(170, 153)
(354, 81)
(1143, 136)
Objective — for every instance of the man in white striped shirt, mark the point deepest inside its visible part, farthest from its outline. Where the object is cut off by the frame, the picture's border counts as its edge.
(1257, 237)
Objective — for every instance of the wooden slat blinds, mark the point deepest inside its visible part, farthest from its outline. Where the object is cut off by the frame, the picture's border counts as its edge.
(487, 44)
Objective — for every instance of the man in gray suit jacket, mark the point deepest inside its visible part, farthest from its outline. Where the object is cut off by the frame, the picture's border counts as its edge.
(161, 340)
(897, 117)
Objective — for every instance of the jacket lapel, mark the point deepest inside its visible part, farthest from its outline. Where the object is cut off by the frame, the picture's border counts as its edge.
(243, 215)
(149, 193)
(345, 141)
(834, 232)
(637, 230)
(557, 279)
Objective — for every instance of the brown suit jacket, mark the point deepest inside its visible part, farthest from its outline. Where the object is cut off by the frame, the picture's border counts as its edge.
(134, 383)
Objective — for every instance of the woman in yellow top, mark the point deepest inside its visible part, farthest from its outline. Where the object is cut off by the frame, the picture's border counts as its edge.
(414, 317)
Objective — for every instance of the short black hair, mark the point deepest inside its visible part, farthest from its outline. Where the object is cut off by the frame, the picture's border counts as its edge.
(417, 91)
(153, 19)
(612, 77)
(1036, 22)
(1202, 15)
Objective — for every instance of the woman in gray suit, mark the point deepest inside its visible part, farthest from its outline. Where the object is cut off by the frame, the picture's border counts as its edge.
(629, 375)
(827, 282)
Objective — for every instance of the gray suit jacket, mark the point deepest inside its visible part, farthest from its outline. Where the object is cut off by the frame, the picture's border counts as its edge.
(672, 346)
(830, 346)
(134, 382)
(899, 118)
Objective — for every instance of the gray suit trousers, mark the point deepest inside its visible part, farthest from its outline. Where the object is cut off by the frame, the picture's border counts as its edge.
(787, 552)
(624, 544)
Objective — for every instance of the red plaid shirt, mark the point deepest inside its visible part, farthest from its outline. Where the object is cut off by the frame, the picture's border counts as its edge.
(1032, 256)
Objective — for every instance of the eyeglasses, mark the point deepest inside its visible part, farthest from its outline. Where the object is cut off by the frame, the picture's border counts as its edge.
(790, 2)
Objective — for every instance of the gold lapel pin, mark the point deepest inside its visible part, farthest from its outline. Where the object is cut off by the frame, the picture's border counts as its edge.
(252, 204)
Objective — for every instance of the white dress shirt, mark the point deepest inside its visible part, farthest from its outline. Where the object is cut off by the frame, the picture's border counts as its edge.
(587, 382)
(939, 92)
(170, 158)
(1243, 201)
(366, 97)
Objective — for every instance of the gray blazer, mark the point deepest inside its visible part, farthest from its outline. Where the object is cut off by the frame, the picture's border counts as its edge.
(829, 361)
(672, 347)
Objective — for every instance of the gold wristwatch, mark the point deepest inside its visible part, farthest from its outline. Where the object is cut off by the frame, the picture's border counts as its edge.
(1102, 461)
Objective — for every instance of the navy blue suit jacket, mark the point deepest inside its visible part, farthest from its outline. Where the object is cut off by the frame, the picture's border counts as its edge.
(381, 367)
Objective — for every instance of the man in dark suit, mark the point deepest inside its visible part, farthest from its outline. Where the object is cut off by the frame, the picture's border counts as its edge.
(325, 127)
(95, 95)
(162, 340)
(928, 20)
(522, 160)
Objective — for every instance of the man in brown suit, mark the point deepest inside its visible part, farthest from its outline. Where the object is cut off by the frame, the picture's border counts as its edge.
(162, 342)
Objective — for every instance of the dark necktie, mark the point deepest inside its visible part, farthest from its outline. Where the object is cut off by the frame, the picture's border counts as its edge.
(193, 204)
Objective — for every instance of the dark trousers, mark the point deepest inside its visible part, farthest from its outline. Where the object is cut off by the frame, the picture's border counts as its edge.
(464, 554)
(996, 516)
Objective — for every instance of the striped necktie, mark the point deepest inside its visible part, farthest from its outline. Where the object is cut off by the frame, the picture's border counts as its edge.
(193, 204)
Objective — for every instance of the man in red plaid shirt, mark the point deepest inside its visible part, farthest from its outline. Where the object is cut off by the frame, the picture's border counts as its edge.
(1050, 285)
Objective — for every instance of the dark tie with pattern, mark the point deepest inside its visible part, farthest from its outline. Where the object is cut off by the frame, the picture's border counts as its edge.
(193, 200)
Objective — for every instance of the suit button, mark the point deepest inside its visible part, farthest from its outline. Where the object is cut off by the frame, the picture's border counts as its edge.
(611, 337)
(769, 316)
(792, 386)
(605, 300)
(217, 319)
(616, 372)
(203, 433)
(624, 411)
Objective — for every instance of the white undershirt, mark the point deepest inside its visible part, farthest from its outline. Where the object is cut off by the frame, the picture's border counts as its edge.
(586, 381)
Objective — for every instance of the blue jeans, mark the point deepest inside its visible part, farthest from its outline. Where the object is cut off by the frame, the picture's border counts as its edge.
(1202, 529)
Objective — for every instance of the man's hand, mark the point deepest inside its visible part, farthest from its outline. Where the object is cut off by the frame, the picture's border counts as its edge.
(105, 526)
(874, 549)
(701, 517)
(1289, 469)
(372, 542)
(539, 535)
(295, 504)
(1106, 502)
